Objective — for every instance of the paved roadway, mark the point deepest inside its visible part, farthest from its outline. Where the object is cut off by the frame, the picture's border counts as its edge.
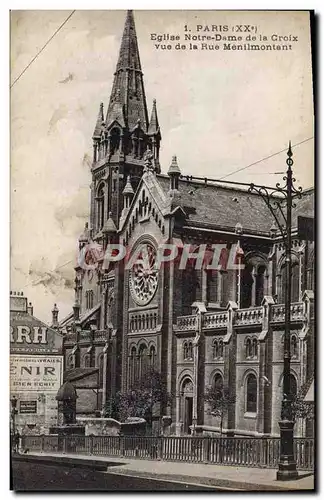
(28, 476)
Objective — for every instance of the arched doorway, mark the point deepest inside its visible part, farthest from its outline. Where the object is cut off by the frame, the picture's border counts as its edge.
(186, 404)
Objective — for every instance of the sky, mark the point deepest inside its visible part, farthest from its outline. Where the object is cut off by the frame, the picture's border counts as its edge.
(219, 111)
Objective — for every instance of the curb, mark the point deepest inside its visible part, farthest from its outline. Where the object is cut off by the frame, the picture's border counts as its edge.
(204, 481)
(98, 465)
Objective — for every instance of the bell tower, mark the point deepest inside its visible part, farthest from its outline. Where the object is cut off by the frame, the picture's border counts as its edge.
(123, 137)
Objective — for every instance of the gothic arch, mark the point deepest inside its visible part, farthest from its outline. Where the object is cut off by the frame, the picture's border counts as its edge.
(100, 204)
(186, 373)
(185, 381)
(213, 374)
(254, 279)
(310, 272)
(294, 373)
(247, 372)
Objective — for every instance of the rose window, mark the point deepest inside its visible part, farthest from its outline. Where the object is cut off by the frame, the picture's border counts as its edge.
(144, 275)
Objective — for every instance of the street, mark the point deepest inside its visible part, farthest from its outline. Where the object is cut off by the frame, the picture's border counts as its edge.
(38, 477)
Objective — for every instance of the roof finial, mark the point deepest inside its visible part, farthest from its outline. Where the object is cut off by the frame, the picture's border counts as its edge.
(174, 168)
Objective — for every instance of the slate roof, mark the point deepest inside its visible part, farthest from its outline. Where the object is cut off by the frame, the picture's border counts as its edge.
(223, 207)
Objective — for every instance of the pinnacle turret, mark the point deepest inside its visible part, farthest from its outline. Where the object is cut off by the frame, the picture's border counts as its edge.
(99, 123)
(154, 127)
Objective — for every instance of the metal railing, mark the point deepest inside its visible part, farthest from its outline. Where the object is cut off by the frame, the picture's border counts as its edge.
(236, 451)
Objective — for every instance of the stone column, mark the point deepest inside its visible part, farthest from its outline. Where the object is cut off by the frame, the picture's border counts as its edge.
(230, 366)
(264, 418)
(201, 310)
(178, 416)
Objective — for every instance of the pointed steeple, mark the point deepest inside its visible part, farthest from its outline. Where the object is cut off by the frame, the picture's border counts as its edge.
(154, 127)
(100, 121)
(128, 96)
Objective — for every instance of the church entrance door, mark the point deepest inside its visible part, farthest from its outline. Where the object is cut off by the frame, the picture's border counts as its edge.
(188, 415)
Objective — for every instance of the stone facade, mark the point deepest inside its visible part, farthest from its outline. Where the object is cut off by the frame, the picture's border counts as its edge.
(192, 325)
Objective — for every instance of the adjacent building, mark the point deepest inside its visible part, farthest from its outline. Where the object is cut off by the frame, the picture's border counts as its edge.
(198, 327)
(36, 367)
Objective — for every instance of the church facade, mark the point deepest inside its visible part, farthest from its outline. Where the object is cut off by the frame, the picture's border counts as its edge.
(199, 327)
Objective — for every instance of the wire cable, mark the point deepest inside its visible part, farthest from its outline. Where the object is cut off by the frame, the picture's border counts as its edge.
(41, 50)
(263, 159)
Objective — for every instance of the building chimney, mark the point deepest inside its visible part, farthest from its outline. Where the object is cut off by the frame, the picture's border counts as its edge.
(55, 312)
(30, 309)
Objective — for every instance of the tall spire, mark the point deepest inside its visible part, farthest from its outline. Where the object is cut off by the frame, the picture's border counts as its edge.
(128, 96)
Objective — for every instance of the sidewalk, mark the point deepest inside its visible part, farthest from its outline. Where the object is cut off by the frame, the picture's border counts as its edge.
(241, 478)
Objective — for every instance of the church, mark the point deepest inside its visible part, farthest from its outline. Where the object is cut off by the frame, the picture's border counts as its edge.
(198, 327)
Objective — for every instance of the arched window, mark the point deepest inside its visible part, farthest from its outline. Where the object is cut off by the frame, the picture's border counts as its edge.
(114, 140)
(89, 299)
(100, 199)
(185, 350)
(294, 346)
(221, 347)
(259, 285)
(251, 393)
(143, 360)
(190, 286)
(246, 286)
(77, 358)
(294, 281)
(211, 285)
(190, 350)
(218, 385)
(254, 348)
(310, 273)
(152, 356)
(248, 348)
(132, 366)
(215, 349)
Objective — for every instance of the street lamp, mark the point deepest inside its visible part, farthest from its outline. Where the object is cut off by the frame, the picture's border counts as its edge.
(276, 200)
(14, 411)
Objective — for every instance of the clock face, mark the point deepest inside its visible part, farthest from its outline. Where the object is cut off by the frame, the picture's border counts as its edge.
(144, 275)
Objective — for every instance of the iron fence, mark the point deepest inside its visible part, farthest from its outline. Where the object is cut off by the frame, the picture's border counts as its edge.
(237, 451)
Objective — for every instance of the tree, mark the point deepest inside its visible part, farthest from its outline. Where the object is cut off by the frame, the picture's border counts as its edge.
(219, 400)
(302, 409)
(140, 399)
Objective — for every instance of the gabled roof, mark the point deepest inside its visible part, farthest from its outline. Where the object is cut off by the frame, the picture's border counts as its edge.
(222, 206)
(153, 186)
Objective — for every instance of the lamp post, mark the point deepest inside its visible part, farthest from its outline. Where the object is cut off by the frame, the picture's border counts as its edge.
(14, 411)
(276, 200)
